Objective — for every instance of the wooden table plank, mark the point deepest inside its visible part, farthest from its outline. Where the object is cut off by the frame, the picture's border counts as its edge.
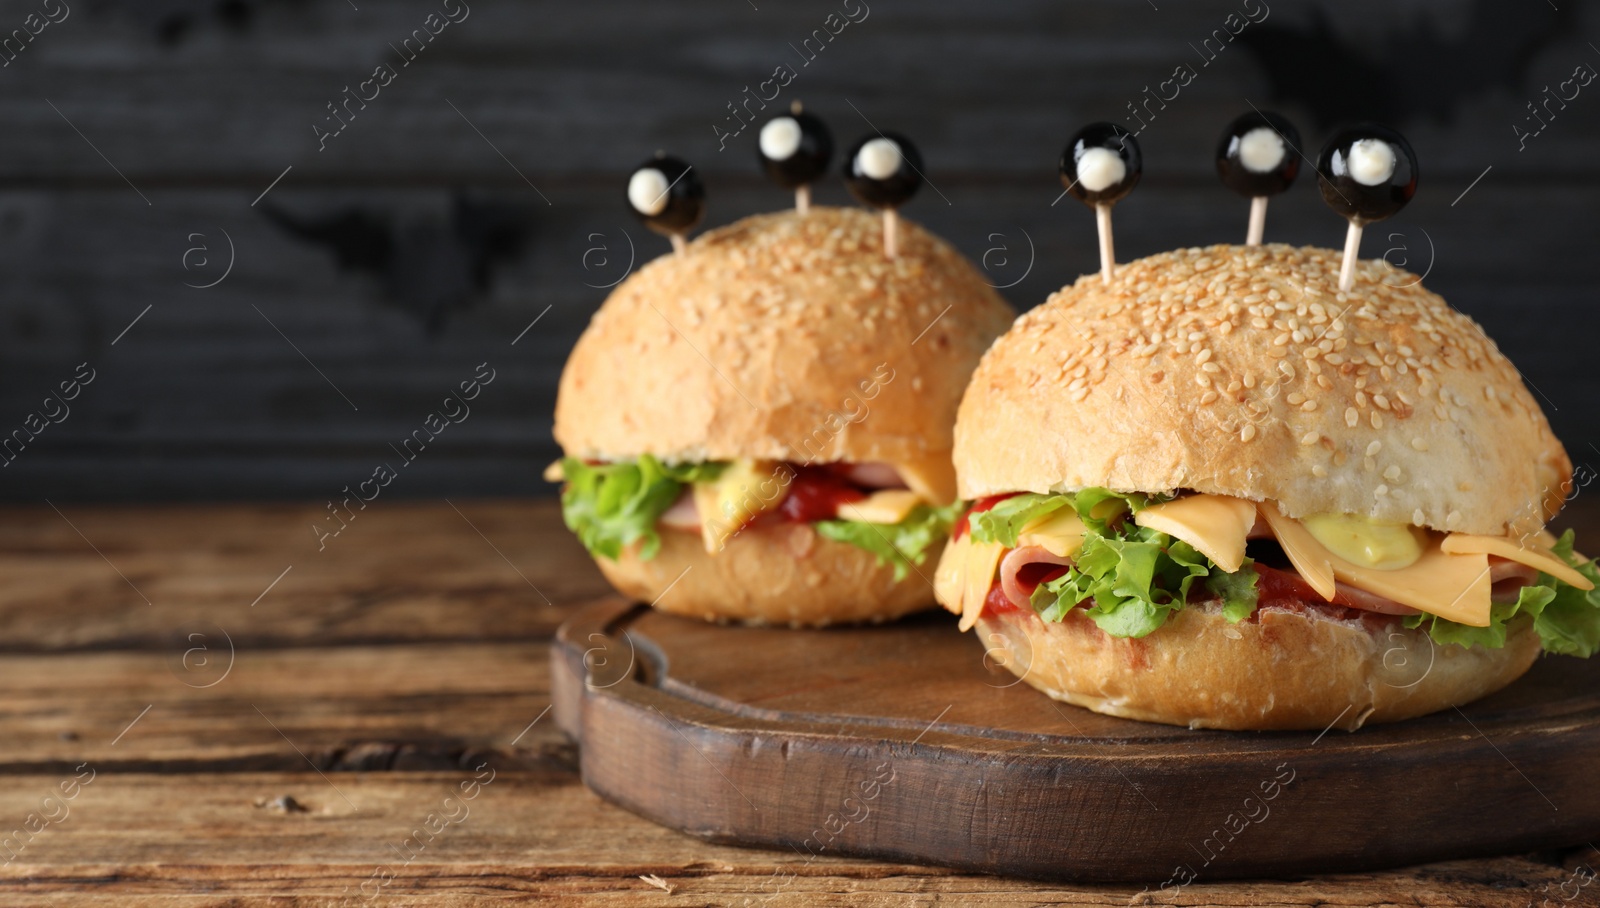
(138, 578)
(343, 708)
(396, 662)
(543, 834)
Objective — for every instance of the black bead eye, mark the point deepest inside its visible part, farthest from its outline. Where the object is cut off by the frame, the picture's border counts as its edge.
(1368, 172)
(1258, 155)
(794, 149)
(667, 195)
(883, 171)
(1101, 164)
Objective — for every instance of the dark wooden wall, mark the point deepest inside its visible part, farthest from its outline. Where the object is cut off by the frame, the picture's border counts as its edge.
(410, 249)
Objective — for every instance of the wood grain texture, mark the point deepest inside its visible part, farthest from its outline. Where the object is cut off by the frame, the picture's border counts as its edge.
(530, 837)
(394, 707)
(141, 578)
(903, 741)
(204, 399)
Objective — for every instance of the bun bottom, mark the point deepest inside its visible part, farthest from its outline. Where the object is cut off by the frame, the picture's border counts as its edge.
(772, 575)
(1288, 669)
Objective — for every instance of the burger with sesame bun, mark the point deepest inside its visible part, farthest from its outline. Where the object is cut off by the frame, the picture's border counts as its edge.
(757, 428)
(1216, 491)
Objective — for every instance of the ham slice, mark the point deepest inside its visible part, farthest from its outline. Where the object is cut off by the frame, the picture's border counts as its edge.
(1277, 587)
(872, 475)
(1023, 569)
(1351, 597)
(683, 515)
(1507, 578)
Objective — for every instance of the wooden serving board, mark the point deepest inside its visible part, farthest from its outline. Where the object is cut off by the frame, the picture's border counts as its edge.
(898, 742)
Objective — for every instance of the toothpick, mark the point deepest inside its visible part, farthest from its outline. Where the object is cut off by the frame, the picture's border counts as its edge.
(1352, 251)
(678, 244)
(1108, 256)
(891, 227)
(802, 199)
(1258, 220)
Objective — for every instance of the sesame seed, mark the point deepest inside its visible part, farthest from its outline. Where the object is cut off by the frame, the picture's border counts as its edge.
(1374, 448)
(1310, 438)
(1319, 471)
(1377, 421)
(1419, 444)
(1351, 417)
(1248, 432)
(1392, 473)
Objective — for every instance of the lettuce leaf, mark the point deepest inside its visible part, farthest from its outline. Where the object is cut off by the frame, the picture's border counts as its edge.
(1006, 519)
(1237, 591)
(901, 544)
(1566, 618)
(610, 506)
(1131, 577)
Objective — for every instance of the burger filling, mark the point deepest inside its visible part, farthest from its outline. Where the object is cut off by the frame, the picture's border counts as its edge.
(612, 506)
(1128, 561)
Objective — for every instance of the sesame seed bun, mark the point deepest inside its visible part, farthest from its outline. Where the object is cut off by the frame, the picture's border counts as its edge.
(784, 575)
(1244, 371)
(1285, 669)
(770, 339)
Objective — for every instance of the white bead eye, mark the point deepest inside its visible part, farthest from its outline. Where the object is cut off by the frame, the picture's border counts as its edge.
(879, 159)
(1261, 150)
(1371, 162)
(1099, 169)
(780, 138)
(647, 191)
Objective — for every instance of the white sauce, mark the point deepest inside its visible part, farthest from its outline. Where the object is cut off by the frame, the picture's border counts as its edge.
(879, 159)
(647, 191)
(1099, 169)
(1371, 162)
(1261, 150)
(780, 139)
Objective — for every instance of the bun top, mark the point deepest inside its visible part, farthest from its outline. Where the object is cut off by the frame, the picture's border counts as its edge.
(785, 337)
(1244, 371)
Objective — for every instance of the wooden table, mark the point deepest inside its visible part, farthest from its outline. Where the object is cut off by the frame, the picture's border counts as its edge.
(196, 702)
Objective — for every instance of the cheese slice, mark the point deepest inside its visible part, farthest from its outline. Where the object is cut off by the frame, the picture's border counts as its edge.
(1529, 553)
(949, 578)
(1452, 586)
(1060, 533)
(554, 472)
(1216, 525)
(983, 559)
(1307, 555)
(885, 506)
(744, 490)
(934, 478)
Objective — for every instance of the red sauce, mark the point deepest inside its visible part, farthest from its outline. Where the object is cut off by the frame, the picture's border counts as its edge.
(982, 504)
(998, 604)
(815, 493)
